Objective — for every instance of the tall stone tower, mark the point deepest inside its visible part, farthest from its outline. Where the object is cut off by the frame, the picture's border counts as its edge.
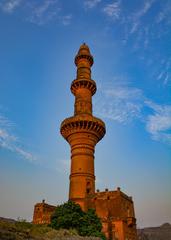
(82, 131)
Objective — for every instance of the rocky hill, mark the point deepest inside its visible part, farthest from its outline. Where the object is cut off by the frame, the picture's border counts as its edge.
(162, 232)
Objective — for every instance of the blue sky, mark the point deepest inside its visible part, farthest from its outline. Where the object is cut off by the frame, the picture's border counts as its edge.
(130, 42)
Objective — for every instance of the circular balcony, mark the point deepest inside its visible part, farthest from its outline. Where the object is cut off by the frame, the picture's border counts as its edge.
(84, 56)
(83, 123)
(84, 53)
(83, 83)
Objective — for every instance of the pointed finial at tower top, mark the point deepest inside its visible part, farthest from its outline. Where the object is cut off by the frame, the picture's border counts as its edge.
(84, 52)
(84, 46)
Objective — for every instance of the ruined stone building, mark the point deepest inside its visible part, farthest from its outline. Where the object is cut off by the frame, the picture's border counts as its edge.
(83, 131)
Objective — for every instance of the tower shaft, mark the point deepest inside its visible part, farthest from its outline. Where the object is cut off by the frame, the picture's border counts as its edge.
(82, 131)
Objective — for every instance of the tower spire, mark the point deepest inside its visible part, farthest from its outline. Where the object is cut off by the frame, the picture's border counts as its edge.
(83, 130)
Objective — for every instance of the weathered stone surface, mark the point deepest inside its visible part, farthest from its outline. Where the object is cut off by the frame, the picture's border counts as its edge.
(83, 131)
(42, 213)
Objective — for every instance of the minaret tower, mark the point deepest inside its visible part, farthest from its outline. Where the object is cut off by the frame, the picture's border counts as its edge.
(82, 131)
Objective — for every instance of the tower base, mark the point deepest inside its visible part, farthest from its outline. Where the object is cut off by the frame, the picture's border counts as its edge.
(116, 211)
(114, 208)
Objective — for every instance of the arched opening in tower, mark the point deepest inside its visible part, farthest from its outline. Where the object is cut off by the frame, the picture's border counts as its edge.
(88, 188)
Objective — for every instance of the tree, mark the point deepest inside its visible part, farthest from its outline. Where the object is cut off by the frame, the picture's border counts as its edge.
(66, 216)
(70, 215)
(91, 225)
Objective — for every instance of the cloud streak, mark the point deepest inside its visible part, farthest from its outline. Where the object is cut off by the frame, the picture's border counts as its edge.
(66, 19)
(38, 12)
(143, 36)
(10, 141)
(163, 73)
(123, 103)
(91, 3)
(113, 10)
(146, 7)
(139, 14)
(10, 6)
(44, 12)
(159, 122)
(164, 14)
(47, 11)
(120, 103)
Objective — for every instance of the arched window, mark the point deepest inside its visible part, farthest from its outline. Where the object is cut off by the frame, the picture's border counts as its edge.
(88, 188)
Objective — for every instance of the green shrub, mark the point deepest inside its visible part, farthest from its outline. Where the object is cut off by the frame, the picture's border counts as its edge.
(70, 216)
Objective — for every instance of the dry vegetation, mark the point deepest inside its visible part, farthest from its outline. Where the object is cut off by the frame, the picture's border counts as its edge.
(22, 230)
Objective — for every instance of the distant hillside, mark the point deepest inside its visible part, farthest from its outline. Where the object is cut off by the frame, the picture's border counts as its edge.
(155, 233)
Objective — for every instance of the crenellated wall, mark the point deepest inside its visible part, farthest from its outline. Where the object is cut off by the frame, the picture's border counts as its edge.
(116, 211)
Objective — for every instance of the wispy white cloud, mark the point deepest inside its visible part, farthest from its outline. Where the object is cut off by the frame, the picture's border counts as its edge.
(123, 103)
(38, 12)
(143, 34)
(160, 74)
(135, 18)
(25, 154)
(44, 12)
(159, 122)
(119, 102)
(91, 3)
(161, 15)
(163, 73)
(10, 5)
(66, 19)
(113, 10)
(4, 122)
(142, 38)
(10, 141)
(134, 27)
(47, 11)
(146, 7)
(164, 15)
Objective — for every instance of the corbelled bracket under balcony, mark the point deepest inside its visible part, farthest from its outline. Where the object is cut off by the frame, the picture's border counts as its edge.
(83, 83)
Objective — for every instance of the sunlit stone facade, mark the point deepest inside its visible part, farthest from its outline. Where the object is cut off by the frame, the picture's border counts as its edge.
(83, 131)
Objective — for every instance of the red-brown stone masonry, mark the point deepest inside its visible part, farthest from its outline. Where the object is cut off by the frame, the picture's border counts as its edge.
(83, 131)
